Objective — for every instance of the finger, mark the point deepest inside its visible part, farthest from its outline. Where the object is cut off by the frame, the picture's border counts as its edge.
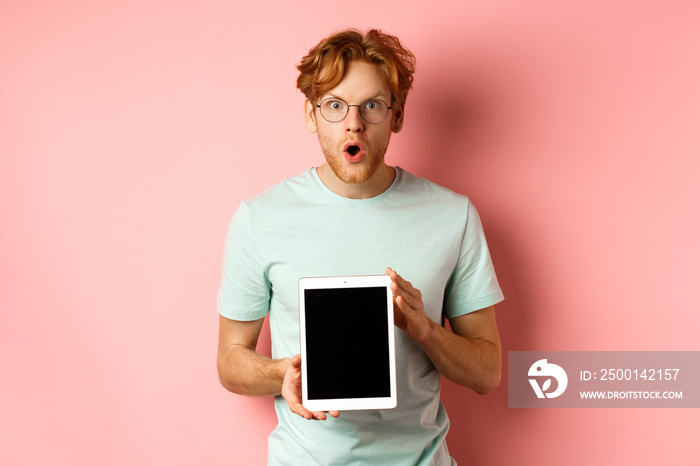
(395, 287)
(298, 408)
(414, 302)
(394, 275)
(399, 318)
(315, 415)
(402, 302)
(321, 415)
(402, 283)
(398, 279)
(405, 308)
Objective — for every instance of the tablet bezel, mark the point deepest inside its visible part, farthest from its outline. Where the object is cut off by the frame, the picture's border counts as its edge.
(343, 404)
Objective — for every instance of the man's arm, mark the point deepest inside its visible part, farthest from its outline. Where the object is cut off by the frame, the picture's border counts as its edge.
(244, 371)
(470, 355)
(241, 369)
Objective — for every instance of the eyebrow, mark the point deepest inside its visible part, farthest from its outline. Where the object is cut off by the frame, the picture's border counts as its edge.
(375, 96)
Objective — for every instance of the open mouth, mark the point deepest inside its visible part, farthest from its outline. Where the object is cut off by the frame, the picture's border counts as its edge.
(353, 150)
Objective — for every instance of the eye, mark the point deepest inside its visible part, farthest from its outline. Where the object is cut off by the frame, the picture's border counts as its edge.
(372, 105)
(334, 105)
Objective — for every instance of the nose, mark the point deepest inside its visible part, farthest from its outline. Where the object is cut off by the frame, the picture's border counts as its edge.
(353, 120)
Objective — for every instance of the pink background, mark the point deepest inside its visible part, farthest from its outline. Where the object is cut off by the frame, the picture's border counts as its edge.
(130, 131)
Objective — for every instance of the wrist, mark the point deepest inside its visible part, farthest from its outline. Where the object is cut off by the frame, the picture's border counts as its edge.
(283, 366)
(430, 332)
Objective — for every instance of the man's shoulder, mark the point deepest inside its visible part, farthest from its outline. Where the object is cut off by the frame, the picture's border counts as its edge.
(426, 190)
(285, 191)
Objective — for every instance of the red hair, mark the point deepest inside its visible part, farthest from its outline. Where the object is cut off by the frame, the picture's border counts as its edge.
(324, 66)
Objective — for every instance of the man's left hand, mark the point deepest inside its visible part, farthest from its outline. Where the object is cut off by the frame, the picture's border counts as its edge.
(409, 313)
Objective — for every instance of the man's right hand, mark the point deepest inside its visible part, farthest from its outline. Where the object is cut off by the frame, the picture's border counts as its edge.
(291, 391)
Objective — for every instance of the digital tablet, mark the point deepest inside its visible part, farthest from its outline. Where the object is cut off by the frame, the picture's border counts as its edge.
(347, 343)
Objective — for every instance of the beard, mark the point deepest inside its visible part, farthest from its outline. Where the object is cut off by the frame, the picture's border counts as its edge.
(354, 173)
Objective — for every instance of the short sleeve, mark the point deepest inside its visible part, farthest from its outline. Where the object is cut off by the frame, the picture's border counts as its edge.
(473, 284)
(244, 293)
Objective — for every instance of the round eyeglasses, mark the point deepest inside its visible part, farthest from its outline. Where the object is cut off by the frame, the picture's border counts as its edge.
(373, 111)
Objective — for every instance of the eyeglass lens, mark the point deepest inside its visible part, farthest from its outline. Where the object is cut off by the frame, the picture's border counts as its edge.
(373, 110)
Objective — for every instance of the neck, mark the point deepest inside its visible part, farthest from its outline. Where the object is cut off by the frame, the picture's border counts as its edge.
(377, 184)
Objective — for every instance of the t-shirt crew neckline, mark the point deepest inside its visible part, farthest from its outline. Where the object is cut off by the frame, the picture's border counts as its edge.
(346, 200)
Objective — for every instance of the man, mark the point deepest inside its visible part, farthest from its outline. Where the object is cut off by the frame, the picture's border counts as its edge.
(356, 215)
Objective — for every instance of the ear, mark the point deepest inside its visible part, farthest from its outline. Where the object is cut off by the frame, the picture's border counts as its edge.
(397, 122)
(310, 116)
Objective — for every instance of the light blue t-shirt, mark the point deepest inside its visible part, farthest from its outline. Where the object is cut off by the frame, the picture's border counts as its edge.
(299, 228)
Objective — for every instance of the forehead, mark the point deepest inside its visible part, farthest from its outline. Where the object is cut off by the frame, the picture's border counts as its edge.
(361, 81)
